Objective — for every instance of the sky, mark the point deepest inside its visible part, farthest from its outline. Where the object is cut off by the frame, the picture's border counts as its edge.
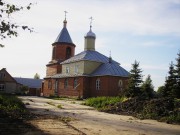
(147, 31)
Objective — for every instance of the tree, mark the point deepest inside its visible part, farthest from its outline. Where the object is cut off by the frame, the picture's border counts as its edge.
(160, 91)
(24, 89)
(36, 76)
(170, 83)
(148, 88)
(177, 73)
(135, 79)
(7, 27)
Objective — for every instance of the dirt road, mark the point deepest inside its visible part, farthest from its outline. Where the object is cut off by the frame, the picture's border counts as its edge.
(66, 117)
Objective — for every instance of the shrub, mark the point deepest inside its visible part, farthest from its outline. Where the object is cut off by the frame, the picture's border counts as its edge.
(102, 103)
(11, 104)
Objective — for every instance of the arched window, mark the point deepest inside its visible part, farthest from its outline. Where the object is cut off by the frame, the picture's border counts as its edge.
(75, 83)
(68, 52)
(54, 53)
(120, 84)
(66, 83)
(98, 84)
(49, 84)
(56, 86)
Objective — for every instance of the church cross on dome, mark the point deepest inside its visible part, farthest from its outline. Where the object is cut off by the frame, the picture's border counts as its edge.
(91, 19)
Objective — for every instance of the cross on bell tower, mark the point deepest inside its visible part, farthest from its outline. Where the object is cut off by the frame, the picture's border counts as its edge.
(65, 22)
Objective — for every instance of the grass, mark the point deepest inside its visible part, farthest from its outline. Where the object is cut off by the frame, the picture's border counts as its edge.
(102, 103)
(64, 98)
(51, 103)
(10, 103)
(59, 106)
(66, 119)
(73, 102)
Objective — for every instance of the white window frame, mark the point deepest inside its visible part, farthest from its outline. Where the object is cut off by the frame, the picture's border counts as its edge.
(66, 83)
(76, 69)
(75, 82)
(98, 84)
(120, 83)
(67, 70)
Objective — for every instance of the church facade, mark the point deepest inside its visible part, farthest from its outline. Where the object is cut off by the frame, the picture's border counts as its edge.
(87, 74)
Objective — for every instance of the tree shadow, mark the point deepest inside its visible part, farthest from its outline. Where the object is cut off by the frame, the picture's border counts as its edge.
(17, 126)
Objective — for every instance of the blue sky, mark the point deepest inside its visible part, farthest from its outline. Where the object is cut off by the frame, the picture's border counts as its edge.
(144, 30)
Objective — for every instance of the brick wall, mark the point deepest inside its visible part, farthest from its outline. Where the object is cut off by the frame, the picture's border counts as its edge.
(59, 55)
(109, 86)
(60, 51)
(53, 69)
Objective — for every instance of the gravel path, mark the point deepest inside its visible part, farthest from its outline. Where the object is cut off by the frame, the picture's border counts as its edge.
(68, 117)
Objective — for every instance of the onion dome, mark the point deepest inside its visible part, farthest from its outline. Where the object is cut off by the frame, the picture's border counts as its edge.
(90, 34)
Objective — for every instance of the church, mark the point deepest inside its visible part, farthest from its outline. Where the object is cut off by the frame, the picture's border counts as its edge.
(87, 74)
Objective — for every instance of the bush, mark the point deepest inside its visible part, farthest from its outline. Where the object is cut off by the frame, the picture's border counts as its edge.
(11, 104)
(101, 103)
(162, 109)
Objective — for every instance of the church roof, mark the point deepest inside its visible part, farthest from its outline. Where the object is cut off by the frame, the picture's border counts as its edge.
(61, 75)
(90, 56)
(108, 67)
(64, 36)
(112, 69)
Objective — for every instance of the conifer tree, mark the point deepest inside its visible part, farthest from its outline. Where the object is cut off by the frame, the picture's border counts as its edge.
(177, 72)
(36, 76)
(135, 79)
(160, 90)
(148, 88)
(170, 84)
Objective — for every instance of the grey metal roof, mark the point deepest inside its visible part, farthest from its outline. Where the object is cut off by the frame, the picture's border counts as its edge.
(89, 55)
(110, 69)
(90, 34)
(31, 83)
(65, 75)
(64, 37)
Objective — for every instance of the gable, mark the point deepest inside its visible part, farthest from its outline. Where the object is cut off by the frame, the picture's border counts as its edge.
(6, 77)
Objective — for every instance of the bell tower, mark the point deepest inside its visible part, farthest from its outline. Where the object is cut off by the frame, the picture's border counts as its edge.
(63, 48)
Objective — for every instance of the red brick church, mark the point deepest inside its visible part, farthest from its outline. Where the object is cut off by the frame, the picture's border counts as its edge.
(87, 74)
